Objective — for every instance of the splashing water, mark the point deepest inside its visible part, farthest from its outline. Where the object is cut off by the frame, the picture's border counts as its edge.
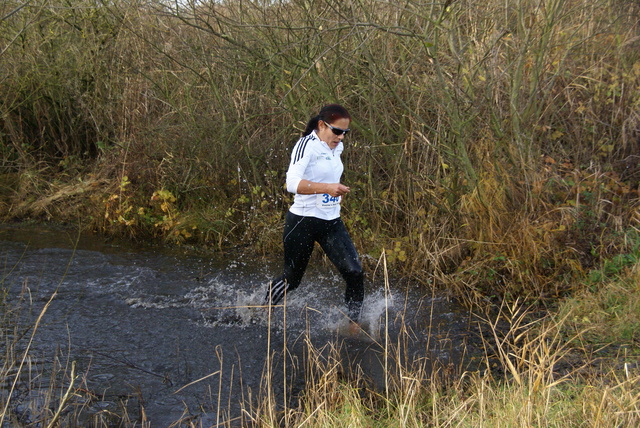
(155, 320)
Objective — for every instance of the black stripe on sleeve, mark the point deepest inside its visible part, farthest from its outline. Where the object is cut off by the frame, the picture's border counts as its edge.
(301, 146)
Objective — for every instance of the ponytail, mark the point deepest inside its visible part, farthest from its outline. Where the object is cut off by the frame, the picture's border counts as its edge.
(311, 125)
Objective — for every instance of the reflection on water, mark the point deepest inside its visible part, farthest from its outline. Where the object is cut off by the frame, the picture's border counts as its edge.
(168, 330)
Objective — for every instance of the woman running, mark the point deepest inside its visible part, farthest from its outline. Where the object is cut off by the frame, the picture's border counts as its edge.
(314, 177)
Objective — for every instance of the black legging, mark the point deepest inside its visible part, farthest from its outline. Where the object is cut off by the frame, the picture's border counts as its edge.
(299, 236)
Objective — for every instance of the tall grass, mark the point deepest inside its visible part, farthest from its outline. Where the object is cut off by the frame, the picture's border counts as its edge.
(494, 143)
(533, 372)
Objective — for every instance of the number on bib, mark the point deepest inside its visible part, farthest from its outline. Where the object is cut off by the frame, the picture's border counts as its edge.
(325, 200)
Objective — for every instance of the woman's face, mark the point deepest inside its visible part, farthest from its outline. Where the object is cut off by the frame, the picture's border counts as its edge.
(326, 134)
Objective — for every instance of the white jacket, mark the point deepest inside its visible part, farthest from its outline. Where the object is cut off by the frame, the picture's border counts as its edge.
(313, 160)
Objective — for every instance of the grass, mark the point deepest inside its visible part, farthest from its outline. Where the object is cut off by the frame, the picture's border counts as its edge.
(534, 374)
(476, 126)
(609, 309)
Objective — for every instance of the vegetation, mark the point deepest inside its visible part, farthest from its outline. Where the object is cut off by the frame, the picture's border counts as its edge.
(494, 155)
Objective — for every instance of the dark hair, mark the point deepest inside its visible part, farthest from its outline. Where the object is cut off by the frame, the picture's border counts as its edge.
(328, 113)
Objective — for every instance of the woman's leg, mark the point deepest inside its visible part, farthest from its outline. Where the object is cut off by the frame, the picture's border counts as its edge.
(298, 246)
(337, 244)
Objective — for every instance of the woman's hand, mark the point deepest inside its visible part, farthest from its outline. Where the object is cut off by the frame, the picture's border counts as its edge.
(337, 189)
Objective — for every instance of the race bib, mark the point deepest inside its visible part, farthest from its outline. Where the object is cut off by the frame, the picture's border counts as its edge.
(325, 200)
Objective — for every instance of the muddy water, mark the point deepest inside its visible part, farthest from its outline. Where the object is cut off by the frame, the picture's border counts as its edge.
(173, 335)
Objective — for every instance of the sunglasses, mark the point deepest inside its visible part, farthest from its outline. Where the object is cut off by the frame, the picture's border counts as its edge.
(337, 131)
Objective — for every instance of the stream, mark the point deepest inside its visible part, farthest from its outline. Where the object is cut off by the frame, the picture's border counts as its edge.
(175, 334)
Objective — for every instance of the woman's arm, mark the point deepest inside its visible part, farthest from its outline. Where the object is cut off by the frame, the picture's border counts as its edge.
(306, 187)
